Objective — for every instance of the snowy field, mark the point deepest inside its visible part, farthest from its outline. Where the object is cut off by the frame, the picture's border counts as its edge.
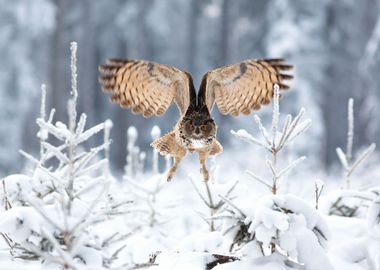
(264, 207)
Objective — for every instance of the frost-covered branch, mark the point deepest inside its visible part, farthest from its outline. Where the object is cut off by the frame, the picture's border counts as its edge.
(350, 130)
(318, 188)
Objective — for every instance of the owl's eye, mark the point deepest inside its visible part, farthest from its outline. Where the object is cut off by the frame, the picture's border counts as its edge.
(203, 127)
(190, 126)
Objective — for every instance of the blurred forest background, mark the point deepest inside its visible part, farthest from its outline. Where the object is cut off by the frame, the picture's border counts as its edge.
(333, 44)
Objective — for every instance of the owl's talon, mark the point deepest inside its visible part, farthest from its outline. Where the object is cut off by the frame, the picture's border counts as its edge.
(205, 174)
(169, 178)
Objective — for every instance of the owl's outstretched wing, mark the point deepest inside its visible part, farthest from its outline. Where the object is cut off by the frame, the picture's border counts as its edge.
(243, 87)
(146, 87)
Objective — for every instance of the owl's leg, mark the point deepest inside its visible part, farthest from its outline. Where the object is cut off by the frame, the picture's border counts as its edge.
(173, 169)
(167, 145)
(214, 149)
(202, 160)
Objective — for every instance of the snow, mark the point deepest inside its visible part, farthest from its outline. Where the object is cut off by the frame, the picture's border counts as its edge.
(70, 210)
(186, 261)
(202, 241)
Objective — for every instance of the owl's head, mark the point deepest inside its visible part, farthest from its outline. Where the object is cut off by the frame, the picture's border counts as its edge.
(198, 125)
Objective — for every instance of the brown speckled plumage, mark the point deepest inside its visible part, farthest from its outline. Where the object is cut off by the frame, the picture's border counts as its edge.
(149, 88)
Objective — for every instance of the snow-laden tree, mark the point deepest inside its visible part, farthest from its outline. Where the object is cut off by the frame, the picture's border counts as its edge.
(58, 214)
(276, 224)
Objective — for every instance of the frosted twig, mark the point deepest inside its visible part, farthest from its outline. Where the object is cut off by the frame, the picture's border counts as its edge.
(318, 191)
(227, 194)
(288, 119)
(271, 167)
(259, 179)
(350, 131)
(107, 130)
(73, 65)
(7, 204)
(276, 113)
(100, 164)
(301, 129)
(42, 134)
(292, 127)
(72, 112)
(263, 131)
(59, 133)
(51, 115)
(43, 102)
(244, 135)
(81, 161)
(230, 203)
(89, 133)
(211, 204)
(199, 193)
(81, 124)
(361, 158)
(290, 166)
(57, 152)
(342, 158)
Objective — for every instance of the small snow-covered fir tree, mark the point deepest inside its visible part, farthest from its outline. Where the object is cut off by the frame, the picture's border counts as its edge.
(56, 213)
(350, 164)
(276, 141)
(276, 224)
(349, 202)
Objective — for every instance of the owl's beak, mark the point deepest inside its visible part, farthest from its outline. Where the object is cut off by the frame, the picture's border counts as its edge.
(197, 131)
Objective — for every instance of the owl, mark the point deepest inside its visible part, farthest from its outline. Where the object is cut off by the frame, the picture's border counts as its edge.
(149, 88)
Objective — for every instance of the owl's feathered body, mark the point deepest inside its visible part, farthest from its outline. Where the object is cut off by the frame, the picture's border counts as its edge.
(149, 88)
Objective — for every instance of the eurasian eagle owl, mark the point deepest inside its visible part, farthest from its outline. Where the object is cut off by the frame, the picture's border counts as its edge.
(149, 88)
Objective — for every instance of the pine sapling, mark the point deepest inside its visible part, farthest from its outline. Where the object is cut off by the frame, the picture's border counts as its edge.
(69, 197)
(276, 141)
